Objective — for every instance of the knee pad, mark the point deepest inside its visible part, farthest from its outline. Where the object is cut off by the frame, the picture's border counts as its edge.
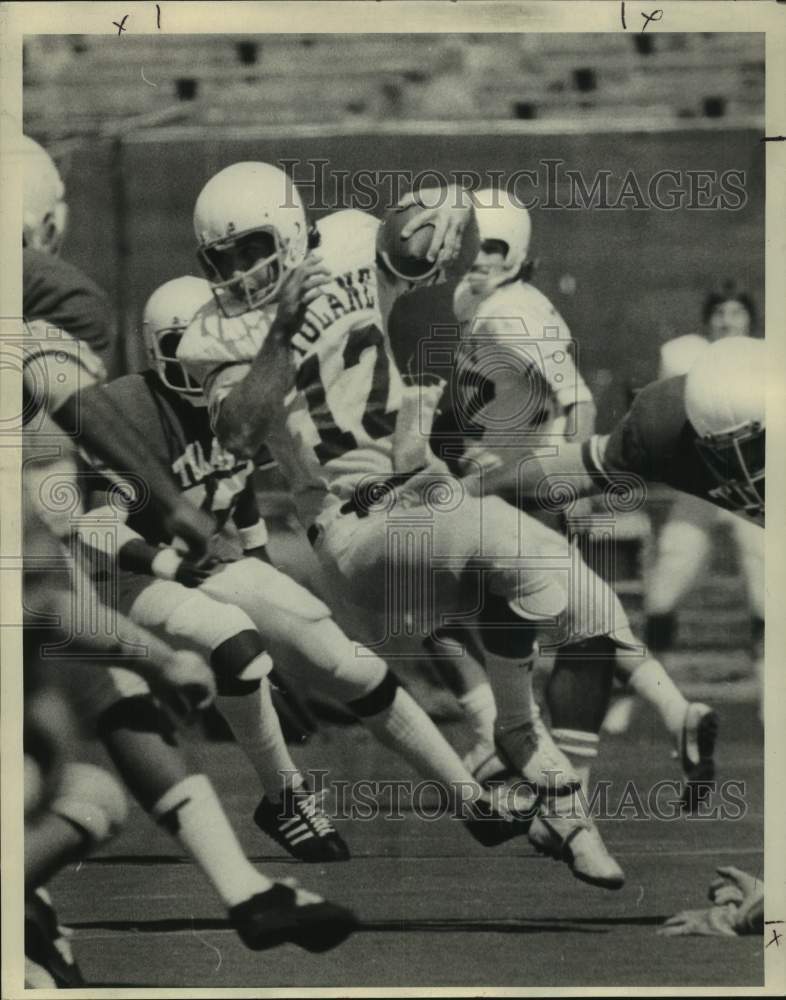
(502, 631)
(240, 663)
(91, 799)
(378, 699)
(579, 688)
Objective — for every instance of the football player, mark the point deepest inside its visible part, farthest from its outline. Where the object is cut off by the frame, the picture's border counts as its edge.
(118, 705)
(702, 433)
(515, 379)
(53, 289)
(516, 354)
(234, 611)
(308, 370)
(684, 542)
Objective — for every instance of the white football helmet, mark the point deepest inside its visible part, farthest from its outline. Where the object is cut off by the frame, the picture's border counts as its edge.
(168, 312)
(44, 211)
(251, 230)
(724, 401)
(501, 220)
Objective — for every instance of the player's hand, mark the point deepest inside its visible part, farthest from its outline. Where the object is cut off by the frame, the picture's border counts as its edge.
(185, 684)
(717, 921)
(194, 526)
(448, 210)
(734, 886)
(300, 288)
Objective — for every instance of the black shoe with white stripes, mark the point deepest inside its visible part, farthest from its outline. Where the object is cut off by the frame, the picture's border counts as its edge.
(301, 826)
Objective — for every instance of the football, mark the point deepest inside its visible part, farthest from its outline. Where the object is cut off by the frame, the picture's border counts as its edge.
(407, 257)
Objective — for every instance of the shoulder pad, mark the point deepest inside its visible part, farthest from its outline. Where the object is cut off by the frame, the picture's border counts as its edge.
(212, 337)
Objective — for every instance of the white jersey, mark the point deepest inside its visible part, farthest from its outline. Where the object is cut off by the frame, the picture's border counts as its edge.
(338, 422)
(514, 339)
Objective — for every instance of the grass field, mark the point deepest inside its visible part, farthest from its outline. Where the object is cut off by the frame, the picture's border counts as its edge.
(436, 908)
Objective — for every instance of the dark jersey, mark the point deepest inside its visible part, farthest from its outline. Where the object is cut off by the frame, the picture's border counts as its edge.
(179, 435)
(655, 440)
(59, 293)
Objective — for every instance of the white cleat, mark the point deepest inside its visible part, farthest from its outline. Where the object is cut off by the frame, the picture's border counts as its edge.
(530, 751)
(577, 841)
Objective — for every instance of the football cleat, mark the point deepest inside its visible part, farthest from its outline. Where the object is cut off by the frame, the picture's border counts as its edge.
(301, 826)
(48, 954)
(287, 912)
(697, 749)
(576, 840)
(530, 751)
(508, 814)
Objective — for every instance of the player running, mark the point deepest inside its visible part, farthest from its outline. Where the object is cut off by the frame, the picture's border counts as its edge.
(518, 388)
(317, 383)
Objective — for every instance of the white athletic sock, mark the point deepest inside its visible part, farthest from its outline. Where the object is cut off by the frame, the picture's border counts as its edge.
(256, 726)
(511, 682)
(404, 727)
(480, 710)
(190, 811)
(581, 749)
(651, 682)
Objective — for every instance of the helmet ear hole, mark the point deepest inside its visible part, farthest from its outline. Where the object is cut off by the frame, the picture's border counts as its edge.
(50, 238)
(495, 246)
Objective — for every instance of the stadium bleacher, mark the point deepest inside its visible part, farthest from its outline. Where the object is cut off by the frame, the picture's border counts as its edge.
(239, 79)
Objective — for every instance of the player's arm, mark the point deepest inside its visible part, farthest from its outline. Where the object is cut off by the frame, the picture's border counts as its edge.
(242, 416)
(627, 456)
(91, 417)
(181, 678)
(530, 475)
(250, 525)
(128, 548)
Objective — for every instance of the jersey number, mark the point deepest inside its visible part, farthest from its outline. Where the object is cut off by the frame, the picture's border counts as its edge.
(333, 442)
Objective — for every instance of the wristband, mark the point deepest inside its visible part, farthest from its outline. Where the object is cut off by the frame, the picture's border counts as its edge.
(254, 536)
